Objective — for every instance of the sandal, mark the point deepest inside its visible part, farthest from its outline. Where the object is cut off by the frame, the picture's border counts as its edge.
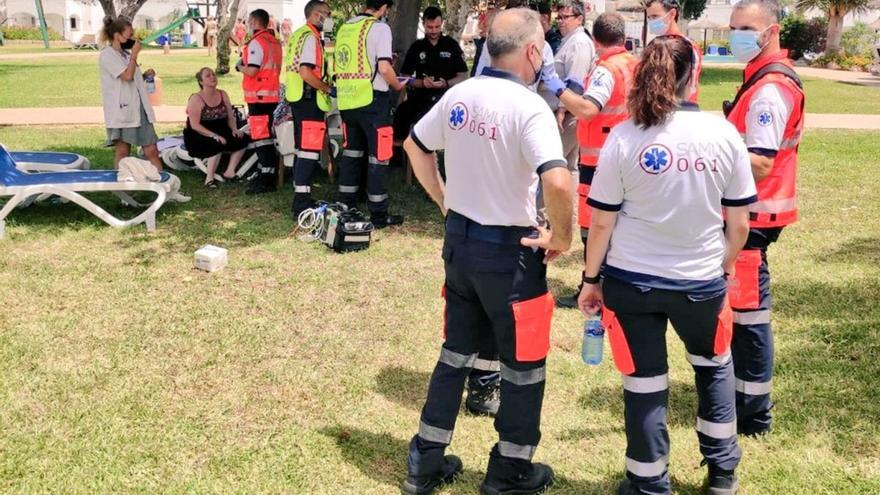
(211, 184)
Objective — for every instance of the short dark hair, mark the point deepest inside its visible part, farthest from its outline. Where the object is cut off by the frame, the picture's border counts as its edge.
(260, 16)
(431, 13)
(542, 8)
(377, 4)
(610, 29)
(667, 6)
(312, 5)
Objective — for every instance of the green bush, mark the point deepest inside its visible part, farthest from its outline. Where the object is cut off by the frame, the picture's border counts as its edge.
(844, 61)
(799, 35)
(859, 40)
(27, 33)
(141, 33)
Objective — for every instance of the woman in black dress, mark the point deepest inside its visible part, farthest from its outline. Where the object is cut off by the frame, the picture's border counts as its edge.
(211, 128)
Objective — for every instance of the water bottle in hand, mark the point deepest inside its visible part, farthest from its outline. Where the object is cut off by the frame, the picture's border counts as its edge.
(151, 84)
(594, 335)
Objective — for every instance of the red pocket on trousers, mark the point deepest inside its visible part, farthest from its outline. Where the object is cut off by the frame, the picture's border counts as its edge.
(384, 143)
(724, 330)
(313, 135)
(744, 287)
(619, 346)
(259, 126)
(532, 319)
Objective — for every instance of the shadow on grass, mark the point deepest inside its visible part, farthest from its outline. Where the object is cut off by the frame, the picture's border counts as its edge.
(382, 458)
(681, 410)
(405, 387)
(225, 216)
(861, 250)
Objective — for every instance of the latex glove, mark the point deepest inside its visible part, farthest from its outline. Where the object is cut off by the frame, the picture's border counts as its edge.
(555, 85)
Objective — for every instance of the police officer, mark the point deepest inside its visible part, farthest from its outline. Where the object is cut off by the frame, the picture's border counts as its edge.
(363, 77)
(500, 140)
(261, 65)
(657, 198)
(308, 94)
(768, 111)
(663, 20)
(601, 107)
(436, 63)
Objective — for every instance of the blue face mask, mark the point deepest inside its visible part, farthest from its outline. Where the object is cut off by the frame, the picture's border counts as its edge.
(744, 45)
(658, 26)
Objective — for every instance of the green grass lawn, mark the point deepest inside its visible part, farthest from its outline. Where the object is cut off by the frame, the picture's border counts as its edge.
(74, 81)
(295, 370)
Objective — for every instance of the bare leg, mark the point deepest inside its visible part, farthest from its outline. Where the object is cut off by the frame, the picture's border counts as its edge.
(151, 151)
(234, 160)
(212, 167)
(122, 150)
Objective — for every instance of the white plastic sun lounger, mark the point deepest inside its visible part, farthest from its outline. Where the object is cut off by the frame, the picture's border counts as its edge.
(22, 187)
(49, 161)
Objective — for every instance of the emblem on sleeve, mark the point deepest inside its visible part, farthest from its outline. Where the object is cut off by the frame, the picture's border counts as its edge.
(765, 119)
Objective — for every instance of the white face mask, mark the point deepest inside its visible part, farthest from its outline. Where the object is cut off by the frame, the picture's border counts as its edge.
(328, 25)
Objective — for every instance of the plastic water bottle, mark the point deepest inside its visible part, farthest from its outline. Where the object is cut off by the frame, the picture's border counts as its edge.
(594, 335)
(151, 85)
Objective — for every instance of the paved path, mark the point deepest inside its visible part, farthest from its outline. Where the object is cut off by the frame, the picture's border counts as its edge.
(860, 78)
(177, 115)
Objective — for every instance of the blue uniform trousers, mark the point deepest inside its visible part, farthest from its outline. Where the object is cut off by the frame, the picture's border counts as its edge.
(496, 296)
(642, 315)
(368, 140)
(753, 340)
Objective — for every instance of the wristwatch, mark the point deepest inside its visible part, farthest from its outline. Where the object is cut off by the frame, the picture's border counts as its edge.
(591, 280)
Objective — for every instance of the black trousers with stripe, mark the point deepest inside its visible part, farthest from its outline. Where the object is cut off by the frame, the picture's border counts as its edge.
(486, 275)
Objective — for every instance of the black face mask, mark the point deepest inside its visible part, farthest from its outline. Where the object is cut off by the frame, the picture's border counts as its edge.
(127, 45)
(538, 71)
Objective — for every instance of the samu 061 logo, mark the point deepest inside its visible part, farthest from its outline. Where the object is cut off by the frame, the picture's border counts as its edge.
(655, 159)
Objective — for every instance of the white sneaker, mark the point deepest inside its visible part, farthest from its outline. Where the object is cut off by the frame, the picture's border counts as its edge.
(178, 198)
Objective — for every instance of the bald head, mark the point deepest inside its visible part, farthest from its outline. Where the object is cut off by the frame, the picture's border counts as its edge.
(512, 30)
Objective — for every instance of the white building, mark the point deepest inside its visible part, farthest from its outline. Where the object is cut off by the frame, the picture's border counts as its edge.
(74, 18)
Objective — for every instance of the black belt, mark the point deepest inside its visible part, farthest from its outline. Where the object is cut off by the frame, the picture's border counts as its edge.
(457, 224)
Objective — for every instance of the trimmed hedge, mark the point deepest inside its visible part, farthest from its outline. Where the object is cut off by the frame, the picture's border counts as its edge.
(28, 33)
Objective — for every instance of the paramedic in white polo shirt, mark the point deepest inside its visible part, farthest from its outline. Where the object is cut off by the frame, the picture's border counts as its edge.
(660, 197)
(501, 140)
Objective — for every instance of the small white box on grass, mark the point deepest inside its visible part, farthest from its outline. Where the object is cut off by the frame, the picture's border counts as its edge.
(210, 258)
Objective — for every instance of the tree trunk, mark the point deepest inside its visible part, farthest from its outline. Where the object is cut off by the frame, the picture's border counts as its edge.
(835, 30)
(226, 20)
(404, 23)
(457, 12)
(127, 8)
(2, 10)
(108, 7)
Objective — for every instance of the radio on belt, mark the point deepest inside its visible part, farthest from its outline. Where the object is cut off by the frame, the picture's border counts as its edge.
(344, 229)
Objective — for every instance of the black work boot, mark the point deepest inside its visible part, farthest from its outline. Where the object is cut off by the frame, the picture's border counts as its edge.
(626, 488)
(570, 302)
(388, 220)
(721, 481)
(425, 484)
(512, 477)
(484, 394)
(263, 183)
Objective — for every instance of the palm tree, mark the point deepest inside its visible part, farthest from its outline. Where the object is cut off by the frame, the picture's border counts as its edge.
(836, 10)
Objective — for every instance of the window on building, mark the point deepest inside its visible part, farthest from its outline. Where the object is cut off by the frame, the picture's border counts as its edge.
(74, 23)
(148, 24)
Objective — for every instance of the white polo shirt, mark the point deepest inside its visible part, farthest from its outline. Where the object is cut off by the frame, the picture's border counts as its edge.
(548, 67)
(769, 111)
(600, 86)
(498, 136)
(122, 99)
(669, 184)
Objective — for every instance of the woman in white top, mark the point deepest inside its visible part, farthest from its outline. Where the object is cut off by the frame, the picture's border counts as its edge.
(666, 182)
(128, 114)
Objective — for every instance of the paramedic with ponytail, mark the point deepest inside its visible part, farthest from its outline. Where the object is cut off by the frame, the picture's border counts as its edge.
(658, 197)
(768, 111)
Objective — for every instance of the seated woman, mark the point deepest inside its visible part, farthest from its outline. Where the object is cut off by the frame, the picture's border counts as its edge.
(211, 128)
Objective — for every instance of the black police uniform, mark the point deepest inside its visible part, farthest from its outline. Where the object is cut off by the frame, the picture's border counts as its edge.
(445, 60)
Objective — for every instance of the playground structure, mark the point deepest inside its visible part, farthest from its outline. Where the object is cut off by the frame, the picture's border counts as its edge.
(196, 11)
